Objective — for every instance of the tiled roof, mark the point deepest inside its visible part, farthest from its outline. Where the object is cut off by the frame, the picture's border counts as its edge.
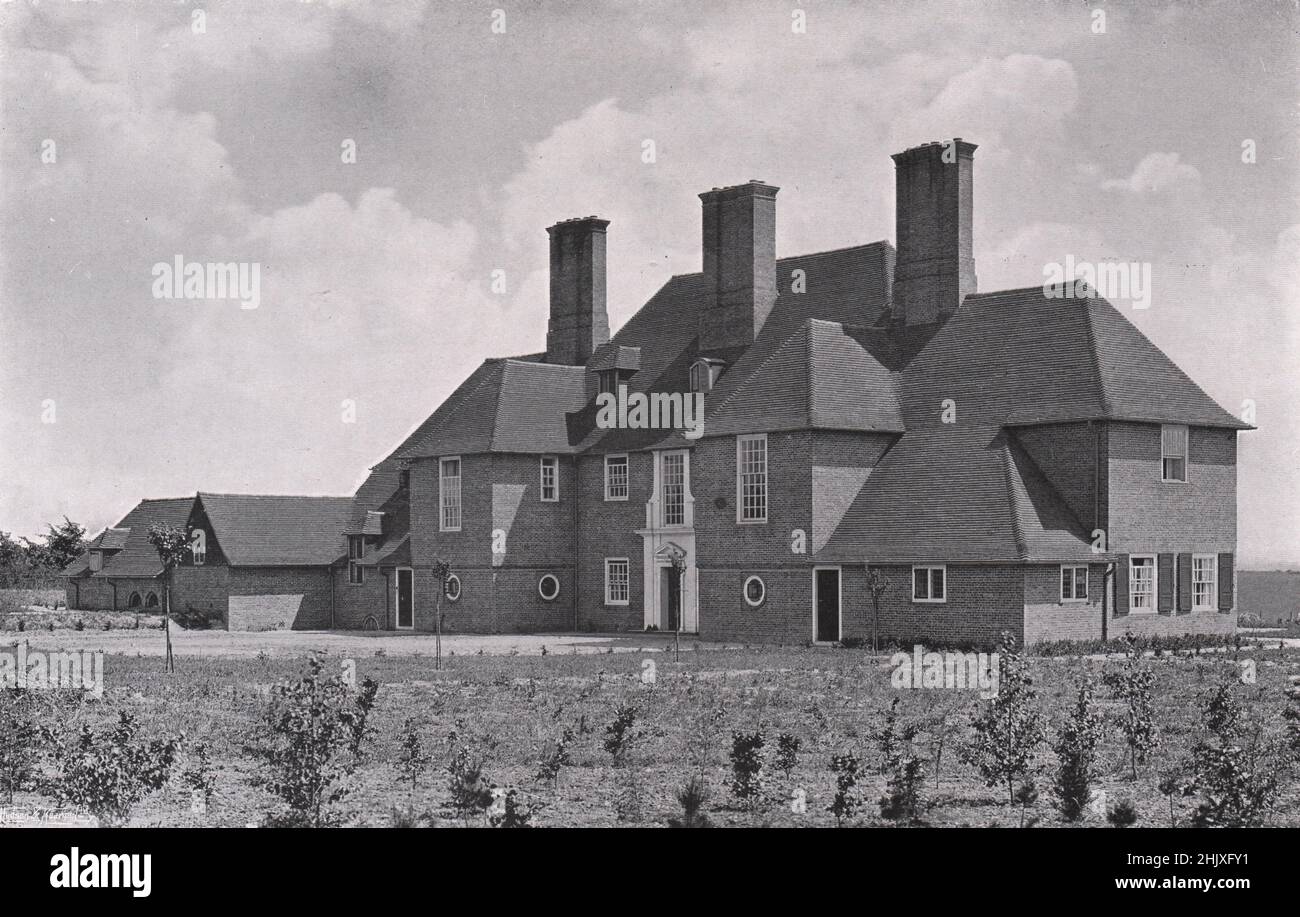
(278, 531)
(615, 356)
(137, 557)
(1019, 357)
(951, 495)
(395, 552)
(823, 376)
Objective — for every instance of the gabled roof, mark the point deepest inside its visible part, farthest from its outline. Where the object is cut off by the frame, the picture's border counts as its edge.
(953, 495)
(508, 405)
(135, 556)
(823, 376)
(615, 356)
(395, 552)
(1020, 357)
(257, 530)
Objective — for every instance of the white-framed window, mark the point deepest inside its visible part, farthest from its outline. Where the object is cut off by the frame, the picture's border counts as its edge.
(356, 547)
(1173, 453)
(548, 587)
(1205, 582)
(550, 479)
(198, 547)
(930, 583)
(755, 591)
(449, 493)
(1142, 576)
(616, 477)
(751, 478)
(703, 375)
(452, 588)
(617, 580)
(1074, 583)
(672, 483)
(96, 561)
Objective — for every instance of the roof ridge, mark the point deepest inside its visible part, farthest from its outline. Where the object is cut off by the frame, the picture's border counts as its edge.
(496, 408)
(1094, 354)
(810, 367)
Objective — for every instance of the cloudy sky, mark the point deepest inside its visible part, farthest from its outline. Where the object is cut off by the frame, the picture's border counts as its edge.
(133, 132)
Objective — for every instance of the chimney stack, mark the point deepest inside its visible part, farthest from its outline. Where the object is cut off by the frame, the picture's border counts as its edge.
(739, 264)
(579, 322)
(935, 269)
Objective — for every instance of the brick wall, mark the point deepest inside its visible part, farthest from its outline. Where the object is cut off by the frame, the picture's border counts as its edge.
(355, 602)
(205, 589)
(1069, 454)
(983, 601)
(609, 529)
(1049, 618)
(278, 598)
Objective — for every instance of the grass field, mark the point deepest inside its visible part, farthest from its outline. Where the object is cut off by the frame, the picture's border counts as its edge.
(511, 708)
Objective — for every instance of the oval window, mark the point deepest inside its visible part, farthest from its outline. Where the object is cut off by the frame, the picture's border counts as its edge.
(453, 587)
(548, 587)
(755, 591)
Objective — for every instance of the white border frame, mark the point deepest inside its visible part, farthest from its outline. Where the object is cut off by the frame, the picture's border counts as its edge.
(460, 588)
(1187, 454)
(911, 585)
(744, 591)
(543, 578)
(1155, 585)
(397, 598)
(1214, 582)
(839, 624)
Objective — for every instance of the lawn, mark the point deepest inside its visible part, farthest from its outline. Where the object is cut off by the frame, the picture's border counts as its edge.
(510, 710)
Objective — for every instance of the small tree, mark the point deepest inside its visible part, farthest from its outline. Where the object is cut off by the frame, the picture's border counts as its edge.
(1076, 755)
(1237, 769)
(171, 542)
(1132, 687)
(412, 760)
(876, 584)
(1009, 731)
(845, 767)
(747, 777)
(677, 571)
(441, 573)
(902, 800)
(107, 773)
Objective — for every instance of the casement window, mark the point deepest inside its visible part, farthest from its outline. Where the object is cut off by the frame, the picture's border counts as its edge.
(617, 580)
(1074, 583)
(97, 561)
(751, 478)
(1173, 453)
(929, 583)
(672, 483)
(1142, 578)
(1205, 582)
(449, 494)
(550, 479)
(704, 373)
(607, 381)
(199, 547)
(616, 477)
(356, 547)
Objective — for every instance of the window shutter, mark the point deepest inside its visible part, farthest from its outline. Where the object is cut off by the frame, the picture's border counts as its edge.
(1121, 585)
(1225, 582)
(1184, 583)
(1165, 584)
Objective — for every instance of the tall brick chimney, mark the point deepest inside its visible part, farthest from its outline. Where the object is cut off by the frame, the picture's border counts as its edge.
(739, 263)
(936, 261)
(579, 322)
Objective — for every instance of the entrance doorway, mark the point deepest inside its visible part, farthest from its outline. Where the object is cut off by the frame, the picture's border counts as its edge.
(405, 598)
(826, 604)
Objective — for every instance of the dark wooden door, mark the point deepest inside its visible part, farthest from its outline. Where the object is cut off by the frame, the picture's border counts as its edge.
(827, 599)
(405, 598)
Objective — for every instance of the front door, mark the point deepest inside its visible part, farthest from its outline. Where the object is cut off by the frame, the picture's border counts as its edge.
(826, 604)
(670, 592)
(405, 598)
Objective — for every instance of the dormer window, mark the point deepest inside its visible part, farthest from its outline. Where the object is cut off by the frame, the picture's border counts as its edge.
(704, 373)
(608, 381)
(96, 561)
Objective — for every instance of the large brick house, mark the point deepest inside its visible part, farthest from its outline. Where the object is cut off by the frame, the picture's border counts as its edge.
(1019, 460)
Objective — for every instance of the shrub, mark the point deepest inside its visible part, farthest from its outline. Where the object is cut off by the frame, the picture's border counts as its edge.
(555, 757)
(1009, 731)
(1132, 687)
(692, 797)
(107, 773)
(20, 739)
(314, 731)
(1076, 756)
(471, 792)
(747, 777)
(198, 773)
(1122, 814)
(846, 801)
(620, 735)
(514, 814)
(412, 760)
(1237, 770)
(787, 753)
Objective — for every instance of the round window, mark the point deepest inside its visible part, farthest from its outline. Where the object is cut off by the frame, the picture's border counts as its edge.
(755, 591)
(548, 587)
(453, 587)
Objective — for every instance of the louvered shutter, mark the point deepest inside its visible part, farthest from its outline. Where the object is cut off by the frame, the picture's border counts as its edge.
(1121, 585)
(1165, 584)
(1225, 582)
(1184, 583)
